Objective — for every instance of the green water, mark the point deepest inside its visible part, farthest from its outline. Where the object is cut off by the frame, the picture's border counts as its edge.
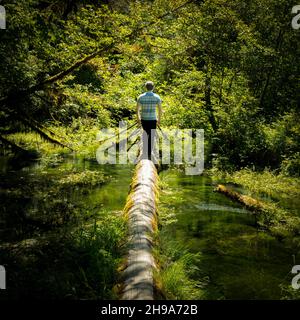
(26, 191)
(237, 260)
(48, 240)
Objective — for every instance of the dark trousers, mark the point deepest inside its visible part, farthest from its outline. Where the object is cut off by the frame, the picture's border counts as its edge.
(148, 138)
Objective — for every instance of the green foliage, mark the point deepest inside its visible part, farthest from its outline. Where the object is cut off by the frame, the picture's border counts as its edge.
(223, 66)
(32, 141)
(289, 293)
(228, 67)
(86, 177)
(81, 135)
(72, 264)
(177, 271)
(99, 256)
(176, 281)
(291, 165)
(278, 196)
(58, 241)
(266, 182)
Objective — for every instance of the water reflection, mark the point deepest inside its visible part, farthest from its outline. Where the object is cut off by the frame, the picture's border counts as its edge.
(32, 201)
(238, 260)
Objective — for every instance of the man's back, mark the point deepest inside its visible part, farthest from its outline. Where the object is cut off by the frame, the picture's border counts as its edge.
(148, 102)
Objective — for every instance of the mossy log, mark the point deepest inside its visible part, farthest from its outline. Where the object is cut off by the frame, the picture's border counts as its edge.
(249, 202)
(140, 210)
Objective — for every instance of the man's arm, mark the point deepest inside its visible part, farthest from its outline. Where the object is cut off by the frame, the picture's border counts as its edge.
(138, 113)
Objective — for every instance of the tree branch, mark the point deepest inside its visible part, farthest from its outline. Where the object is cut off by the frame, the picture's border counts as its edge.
(59, 76)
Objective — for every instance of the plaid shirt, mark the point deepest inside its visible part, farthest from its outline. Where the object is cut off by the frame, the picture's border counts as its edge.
(148, 102)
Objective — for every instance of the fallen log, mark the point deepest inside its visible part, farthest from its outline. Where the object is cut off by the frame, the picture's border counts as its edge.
(249, 202)
(140, 210)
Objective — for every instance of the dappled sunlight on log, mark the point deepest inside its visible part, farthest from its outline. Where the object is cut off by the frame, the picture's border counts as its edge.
(140, 209)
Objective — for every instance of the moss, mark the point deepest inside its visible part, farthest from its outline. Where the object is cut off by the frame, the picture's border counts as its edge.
(270, 215)
(274, 185)
(236, 256)
(84, 178)
(130, 203)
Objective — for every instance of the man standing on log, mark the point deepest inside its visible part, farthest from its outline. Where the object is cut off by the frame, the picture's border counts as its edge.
(147, 117)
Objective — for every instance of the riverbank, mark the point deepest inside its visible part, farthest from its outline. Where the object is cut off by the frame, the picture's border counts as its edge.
(62, 229)
(211, 247)
(276, 196)
(207, 246)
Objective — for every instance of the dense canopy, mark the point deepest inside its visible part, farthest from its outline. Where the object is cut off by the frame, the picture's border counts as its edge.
(230, 67)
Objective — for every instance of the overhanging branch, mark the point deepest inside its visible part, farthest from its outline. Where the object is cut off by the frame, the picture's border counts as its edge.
(77, 64)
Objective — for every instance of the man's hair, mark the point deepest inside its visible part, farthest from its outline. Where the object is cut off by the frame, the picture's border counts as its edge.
(149, 85)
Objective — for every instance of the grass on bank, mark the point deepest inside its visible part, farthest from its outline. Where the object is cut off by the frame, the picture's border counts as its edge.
(277, 194)
(57, 245)
(81, 140)
(276, 186)
(82, 136)
(78, 263)
(177, 270)
(178, 267)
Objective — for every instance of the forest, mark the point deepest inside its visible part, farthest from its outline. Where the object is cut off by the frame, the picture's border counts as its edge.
(71, 68)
